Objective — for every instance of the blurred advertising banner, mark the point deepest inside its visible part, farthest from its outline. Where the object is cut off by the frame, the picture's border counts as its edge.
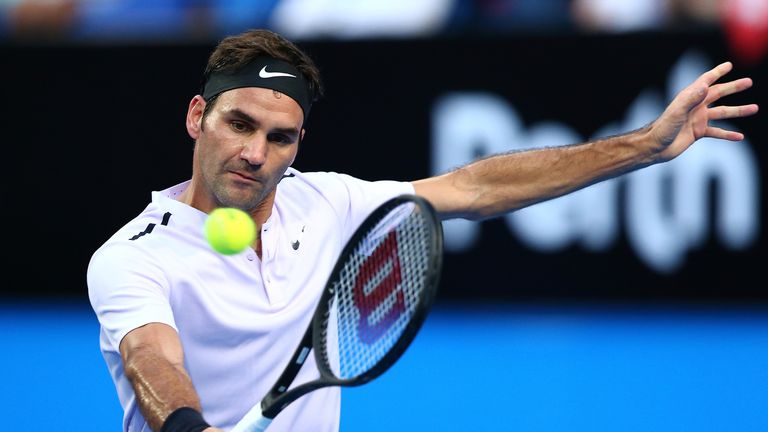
(690, 228)
(409, 108)
(709, 195)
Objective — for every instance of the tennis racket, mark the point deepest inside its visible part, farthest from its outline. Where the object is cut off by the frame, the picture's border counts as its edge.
(376, 299)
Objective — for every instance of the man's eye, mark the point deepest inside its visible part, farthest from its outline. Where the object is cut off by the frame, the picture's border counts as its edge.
(239, 126)
(280, 138)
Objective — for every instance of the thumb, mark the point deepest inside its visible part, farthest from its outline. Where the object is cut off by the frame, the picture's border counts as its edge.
(694, 96)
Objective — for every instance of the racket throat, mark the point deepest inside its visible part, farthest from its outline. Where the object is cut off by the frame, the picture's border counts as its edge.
(273, 404)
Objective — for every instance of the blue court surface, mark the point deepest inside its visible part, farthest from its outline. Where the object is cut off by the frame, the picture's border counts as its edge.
(473, 367)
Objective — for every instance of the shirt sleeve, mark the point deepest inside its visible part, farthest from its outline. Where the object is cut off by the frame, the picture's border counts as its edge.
(127, 289)
(362, 197)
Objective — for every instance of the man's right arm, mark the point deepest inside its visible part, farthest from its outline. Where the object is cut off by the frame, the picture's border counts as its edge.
(153, 360)
(501, 183)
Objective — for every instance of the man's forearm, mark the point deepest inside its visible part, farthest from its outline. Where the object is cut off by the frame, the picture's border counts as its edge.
(499, 184)
(502, 183)
(160, 386)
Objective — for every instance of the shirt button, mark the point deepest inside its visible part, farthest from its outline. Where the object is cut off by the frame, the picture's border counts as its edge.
(250, 257)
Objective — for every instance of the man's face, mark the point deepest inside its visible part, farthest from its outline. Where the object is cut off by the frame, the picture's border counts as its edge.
(245, 144)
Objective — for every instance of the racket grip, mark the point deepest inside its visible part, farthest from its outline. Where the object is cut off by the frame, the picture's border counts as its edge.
(252, 421)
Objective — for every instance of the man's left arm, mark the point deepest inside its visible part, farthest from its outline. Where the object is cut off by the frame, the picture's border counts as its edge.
(502, 183)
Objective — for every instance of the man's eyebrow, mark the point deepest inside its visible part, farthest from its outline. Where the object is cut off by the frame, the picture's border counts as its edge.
(293, 132)
(241, 115)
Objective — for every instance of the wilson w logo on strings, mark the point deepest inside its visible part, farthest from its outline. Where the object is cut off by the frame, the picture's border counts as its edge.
(377, 292)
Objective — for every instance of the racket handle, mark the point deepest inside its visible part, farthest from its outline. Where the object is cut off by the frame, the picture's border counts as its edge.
(252, 421)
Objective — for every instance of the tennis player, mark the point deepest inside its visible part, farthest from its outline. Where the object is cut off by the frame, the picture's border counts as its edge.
(193, 338)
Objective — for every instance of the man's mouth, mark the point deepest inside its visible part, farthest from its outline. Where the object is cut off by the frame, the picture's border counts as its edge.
(244, 176)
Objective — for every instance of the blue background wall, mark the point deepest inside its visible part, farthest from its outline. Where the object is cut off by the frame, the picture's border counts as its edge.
(480, 367)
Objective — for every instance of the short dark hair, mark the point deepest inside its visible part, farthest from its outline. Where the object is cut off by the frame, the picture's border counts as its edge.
(234, 52)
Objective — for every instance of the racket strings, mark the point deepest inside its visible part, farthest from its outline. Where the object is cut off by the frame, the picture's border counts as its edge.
(377, 293)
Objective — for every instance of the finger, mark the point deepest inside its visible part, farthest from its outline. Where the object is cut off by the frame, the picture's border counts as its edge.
(721, 90)
(716, 73)
(698, 91)
(726, 112)
(716, 132)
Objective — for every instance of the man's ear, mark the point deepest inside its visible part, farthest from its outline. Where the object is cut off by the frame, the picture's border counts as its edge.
(195, 116)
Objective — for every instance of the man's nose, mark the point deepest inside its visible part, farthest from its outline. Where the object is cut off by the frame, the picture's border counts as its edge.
(255, 150)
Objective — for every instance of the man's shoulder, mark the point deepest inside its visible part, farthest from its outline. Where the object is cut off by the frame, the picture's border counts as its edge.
(153, 222)
(124, 238)
(344, 194)
(293, 175)
(162, 217)
(322, 183)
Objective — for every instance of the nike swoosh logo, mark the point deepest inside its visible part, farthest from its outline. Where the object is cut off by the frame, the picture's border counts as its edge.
(264, 74)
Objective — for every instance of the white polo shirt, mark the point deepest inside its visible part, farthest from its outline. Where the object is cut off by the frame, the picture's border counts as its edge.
(239, 317)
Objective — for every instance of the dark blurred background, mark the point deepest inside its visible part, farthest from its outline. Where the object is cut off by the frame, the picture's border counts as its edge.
(96, 92)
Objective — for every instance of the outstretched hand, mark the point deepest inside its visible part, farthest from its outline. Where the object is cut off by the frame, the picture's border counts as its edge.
(688, 116)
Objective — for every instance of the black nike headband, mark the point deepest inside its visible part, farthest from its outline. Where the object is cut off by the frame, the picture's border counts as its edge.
(263, 72)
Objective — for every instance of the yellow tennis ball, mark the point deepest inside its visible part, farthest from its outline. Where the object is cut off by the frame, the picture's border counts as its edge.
(229, 230)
